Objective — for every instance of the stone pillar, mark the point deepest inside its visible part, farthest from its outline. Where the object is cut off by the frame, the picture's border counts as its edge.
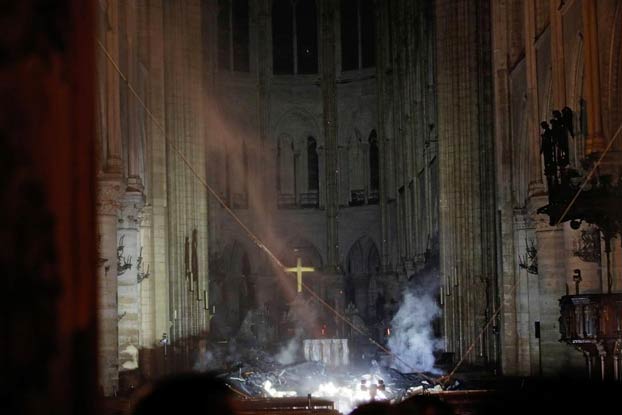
(108, 205)
(466, 163)
(186, 168)
(144, 270)
(557, 56)
(329, 103)
(109, 88)
(382, 62)
(595, 141)
(110, 189)
(151, 23)
(556, 358)
(128, 289)
(536, 186)
(510, 222)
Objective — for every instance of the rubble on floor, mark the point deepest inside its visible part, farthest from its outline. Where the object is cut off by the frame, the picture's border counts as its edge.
(260, 375)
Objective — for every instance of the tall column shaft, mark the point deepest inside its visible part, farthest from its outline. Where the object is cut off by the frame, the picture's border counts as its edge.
(595, 141)
(186, 166)
(108, 206)
(466, 163)
(329, 101)
(109, 90)
(128, 289)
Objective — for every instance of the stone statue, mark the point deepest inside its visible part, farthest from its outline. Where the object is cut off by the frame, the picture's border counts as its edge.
(567, 117)
(560, 134)
(547, 149)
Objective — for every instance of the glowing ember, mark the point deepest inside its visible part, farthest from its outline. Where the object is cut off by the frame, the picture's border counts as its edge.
(273, 393)
(345, 396)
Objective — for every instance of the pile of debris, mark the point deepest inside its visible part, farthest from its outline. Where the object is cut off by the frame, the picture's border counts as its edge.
(347, 387)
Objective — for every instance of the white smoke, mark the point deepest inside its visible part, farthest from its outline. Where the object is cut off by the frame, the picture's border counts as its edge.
(412, 336)
(290, 351)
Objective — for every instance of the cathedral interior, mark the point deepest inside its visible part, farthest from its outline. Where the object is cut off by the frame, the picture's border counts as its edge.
(315, 202)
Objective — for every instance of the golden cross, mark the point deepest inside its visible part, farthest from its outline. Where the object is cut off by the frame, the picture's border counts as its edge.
(299, 269)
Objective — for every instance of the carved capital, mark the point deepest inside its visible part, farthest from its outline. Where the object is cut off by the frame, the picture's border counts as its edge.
(109, 193)
(131, 212)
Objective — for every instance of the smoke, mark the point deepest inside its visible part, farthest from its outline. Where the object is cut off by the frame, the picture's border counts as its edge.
(290, 351)
(412, 336)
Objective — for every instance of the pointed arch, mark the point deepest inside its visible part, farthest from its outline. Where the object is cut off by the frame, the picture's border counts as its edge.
(363, 257)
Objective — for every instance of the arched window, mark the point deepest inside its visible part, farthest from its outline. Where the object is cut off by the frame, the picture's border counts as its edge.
(233, 35)
(374, 165)
(294, 37)
(282, 37)
(357, 34)
(306, 36)
(312, 165)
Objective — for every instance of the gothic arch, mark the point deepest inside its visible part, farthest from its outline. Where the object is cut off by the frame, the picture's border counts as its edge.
(363, 258)
(362, 264)
(304, 166)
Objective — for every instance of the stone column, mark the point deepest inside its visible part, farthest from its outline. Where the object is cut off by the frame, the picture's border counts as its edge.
(136, 114)
(511, 222)
(151, 24)
(128, 289)
(329, 103)
(466, 170)
(108, 205)
(110, 188)
(557, 56)
(109, 99)
(536, 186)
(186, 168)
(595, 141)
(144, 270)
(555, 357)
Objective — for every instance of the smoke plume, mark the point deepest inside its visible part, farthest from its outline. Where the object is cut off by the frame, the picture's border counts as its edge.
(289, 352)
(412, 336)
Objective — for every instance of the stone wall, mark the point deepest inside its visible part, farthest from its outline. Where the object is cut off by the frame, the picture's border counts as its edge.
(546, 56)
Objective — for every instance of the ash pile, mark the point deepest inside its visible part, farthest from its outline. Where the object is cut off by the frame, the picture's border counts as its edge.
(259, 374)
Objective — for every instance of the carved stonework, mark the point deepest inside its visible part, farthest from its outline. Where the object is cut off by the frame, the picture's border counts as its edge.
(588, 245)
(529, 261)
(108, 196)
(131, 210)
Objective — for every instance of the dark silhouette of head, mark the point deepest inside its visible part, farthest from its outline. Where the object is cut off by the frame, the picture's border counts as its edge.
(201, 393)
(373, 408)
(424, 405)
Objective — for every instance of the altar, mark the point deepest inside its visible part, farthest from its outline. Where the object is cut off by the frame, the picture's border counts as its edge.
(331, 352)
